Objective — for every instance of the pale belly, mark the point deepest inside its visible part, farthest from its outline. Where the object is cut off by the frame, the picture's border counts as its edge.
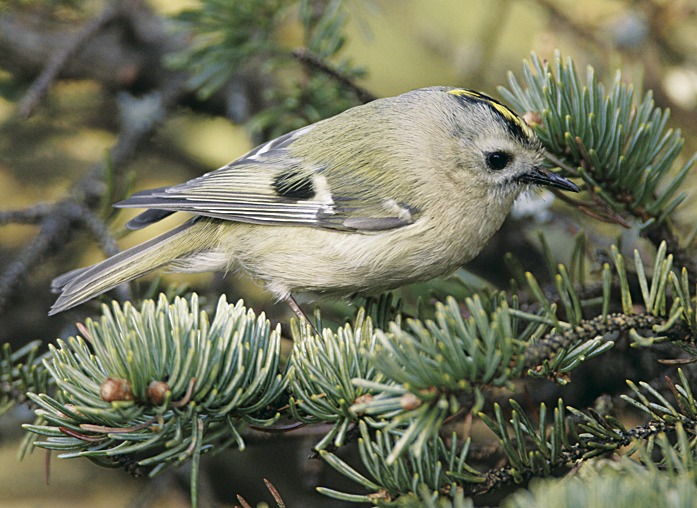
(301, 259)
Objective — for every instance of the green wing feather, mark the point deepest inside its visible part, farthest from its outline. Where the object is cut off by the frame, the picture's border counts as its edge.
(279, 183)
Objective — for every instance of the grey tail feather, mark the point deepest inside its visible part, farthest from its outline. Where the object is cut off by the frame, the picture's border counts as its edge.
(60, 281)
(147, 218)
(143, 199)
(78, 286)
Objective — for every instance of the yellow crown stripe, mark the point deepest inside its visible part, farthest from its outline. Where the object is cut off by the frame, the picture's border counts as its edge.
(503, 110)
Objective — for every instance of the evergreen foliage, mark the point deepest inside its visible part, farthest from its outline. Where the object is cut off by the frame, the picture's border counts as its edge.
(21, 372)
(159, 386)
(617, 142)
(229, 40)
(226, 374)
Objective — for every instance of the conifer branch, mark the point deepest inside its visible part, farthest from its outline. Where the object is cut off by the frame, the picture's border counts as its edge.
(616, 142)
(586, 331)
(159, 386)
(21, 371)
(152, 388)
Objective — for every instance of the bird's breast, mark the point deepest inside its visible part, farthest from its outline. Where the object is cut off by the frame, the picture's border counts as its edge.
(301, 259)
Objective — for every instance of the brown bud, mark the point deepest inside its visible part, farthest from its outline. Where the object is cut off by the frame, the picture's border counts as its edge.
(116, 389)
(409, 401)
(157, 392)
(381, 495)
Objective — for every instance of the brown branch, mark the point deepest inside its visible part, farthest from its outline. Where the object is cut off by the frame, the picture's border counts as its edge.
(123, 48)
(313, 61)
(588, 329)
(497, 478)
(122, 53)
(61, 57)
(31, 215)
(56, 223)
(99, 229)
(53, 227)
(126, 53)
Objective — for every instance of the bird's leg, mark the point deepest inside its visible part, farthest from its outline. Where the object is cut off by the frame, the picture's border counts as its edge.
(290, 301)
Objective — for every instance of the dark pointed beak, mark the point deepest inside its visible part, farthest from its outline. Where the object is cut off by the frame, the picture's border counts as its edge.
(540, 176)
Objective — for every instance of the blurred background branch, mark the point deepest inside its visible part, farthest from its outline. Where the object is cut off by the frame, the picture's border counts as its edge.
(136, 94)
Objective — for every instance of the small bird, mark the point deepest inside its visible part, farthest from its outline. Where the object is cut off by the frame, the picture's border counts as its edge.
(398, 190)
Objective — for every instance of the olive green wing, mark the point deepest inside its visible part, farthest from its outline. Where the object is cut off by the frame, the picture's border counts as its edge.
(270, 185)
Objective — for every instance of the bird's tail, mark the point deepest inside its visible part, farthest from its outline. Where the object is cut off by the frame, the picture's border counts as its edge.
(173, 247)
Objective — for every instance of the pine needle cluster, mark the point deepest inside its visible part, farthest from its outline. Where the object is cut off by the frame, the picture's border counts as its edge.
(151, 387)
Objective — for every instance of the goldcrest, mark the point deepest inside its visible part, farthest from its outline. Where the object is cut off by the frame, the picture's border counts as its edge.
(398, 190)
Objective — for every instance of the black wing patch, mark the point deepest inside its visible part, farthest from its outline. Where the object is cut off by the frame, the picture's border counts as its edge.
(293, 184)
(269, 186)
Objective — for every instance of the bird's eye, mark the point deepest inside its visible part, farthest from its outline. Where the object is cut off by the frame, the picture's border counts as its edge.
(498, 160)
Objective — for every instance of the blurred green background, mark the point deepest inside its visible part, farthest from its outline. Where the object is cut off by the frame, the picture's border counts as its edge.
(402, 45)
